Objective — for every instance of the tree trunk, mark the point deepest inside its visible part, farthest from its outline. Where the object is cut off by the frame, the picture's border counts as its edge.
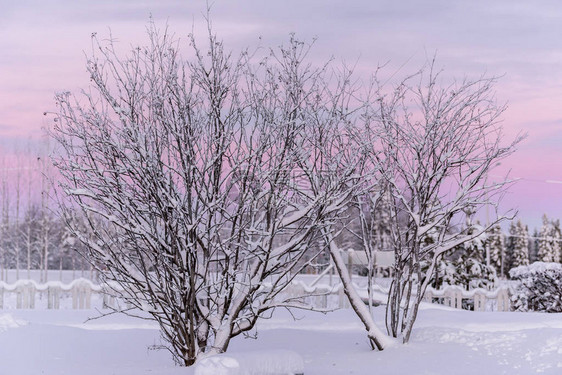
(377, 338)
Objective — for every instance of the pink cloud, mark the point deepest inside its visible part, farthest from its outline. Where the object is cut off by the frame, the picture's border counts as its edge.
(42, 46)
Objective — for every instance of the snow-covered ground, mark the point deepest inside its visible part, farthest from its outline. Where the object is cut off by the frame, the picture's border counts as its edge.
(445, 341)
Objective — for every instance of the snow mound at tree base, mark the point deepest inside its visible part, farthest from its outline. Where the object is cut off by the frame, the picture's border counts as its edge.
(7, 322)
(270, 362)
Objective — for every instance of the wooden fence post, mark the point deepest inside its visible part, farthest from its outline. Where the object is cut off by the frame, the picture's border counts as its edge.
(479, 301)
(53, 297)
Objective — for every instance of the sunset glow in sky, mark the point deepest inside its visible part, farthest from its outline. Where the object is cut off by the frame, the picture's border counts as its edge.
(43, 46)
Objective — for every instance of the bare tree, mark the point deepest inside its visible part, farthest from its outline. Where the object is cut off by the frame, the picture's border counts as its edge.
(4, 221)
(436, 146)
(30, 218)
(190, 176)
(336, 165)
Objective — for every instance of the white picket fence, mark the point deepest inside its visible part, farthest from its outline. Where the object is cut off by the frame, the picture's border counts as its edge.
(83, 294)
(28, 294)
(477, 299)
(332, 297)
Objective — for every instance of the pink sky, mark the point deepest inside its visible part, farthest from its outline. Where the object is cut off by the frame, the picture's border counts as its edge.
(42, 45)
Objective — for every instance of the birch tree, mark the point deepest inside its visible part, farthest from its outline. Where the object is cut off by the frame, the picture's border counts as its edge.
(190, 174)
(16, 230)
(4, 222)
(437, 144)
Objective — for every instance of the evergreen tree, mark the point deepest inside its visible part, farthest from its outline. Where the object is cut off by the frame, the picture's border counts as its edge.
(465, 266)
(496, 247)
(520, 246)
(534, 246)
(476, 248)
(471, 270)
(557, 237)
(510, 245)
(549, 241)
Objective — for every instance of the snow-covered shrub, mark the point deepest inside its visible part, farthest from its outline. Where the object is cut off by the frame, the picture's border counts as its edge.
(539, 287)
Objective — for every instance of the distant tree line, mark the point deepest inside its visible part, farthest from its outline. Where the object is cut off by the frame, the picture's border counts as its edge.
(476, 263)
(39, 240)
(32, 235)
